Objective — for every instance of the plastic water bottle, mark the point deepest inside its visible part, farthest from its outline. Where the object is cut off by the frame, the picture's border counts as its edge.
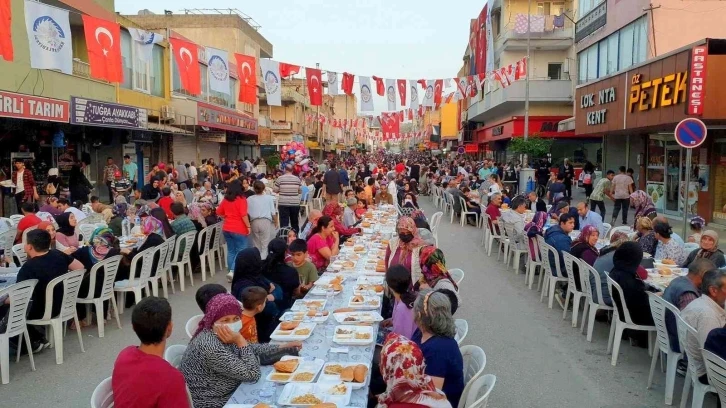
(126, 227)
(137, 221)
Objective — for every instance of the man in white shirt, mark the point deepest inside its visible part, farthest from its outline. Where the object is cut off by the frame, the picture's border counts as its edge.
(705, 314)
(392, 188)
(248, 165)
(192, 172)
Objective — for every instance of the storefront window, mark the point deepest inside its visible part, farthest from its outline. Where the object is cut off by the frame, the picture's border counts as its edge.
(667, 181)
(719, 193)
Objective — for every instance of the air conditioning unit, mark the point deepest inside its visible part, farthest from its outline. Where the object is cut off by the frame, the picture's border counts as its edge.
(167, 113)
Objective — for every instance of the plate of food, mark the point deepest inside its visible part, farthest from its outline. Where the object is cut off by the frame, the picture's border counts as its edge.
(305, 304)
(317, 316)
(359, 248)
(354, 335)
(295, 369)
(337, 393)
(330, 279)
(292, 331)
(260, 405)
(667, 263)
(370, 280)
(368, 289)
(354, 374)
(322, 290)
(364, 302)
(355, 318)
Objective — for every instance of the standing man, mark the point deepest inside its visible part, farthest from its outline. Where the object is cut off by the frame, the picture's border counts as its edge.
(569, 172)
(344, 177)
(192, 172)
(131, 171)
(248, 166)
(25, 189)
(333, 184)
(622, 188)
(182, 176)
(108, 176)
(289, 187)
(602, 188)
(224, 169)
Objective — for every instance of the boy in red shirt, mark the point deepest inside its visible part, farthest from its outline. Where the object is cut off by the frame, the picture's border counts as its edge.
(137, 367)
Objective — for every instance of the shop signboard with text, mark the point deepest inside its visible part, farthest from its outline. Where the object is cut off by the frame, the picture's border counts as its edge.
(105, 114)
(21, 106)
(219, 118)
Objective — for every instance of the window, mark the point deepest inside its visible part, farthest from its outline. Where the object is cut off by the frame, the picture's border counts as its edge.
(126, 59)
(157, 71)
(640, 41)
(581, 67)
(626, 46)
(592, 62)
(602, 58)
(585, 6)
(554, 70)
(142, 76)
(612, 45)
(204, 83)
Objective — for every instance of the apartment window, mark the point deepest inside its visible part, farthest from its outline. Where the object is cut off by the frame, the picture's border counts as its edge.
(554, 70)
(640, 41)
(612, 46)
(146, 77)
(586, 5)
(592, 62)
(126, 60)
(626, 46)
(550, 8)
(156, 74)
(204, 82)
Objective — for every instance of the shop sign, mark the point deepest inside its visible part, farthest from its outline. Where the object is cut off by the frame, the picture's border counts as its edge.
(281, 139)
(15, 105)
(219, 118)
(657, 93)
(312, 144)
(215, 137)
(604, 96)
(497, 130)
(697, 83)
(471, 148)
(105, 114)
(593, 20)
(281, 125)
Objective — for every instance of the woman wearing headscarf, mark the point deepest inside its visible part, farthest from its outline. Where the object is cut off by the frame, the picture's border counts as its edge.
(50, 228)
(218, 359)
(604, 263)
(281, 274)
(153, 230)
(79, 185)
(434, 274)
(66, 231)
(162, 227)
(644, 207)
(407, 385)
(424, 229)
(179, 197)
(406, 247)
(103, 245)
(120, 209)
(584, 246)
(248, 272)
(335, 211)
(708, 250)
(534, 228)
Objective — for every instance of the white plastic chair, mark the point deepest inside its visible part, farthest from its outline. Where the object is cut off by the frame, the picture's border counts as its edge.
(173, 354)
(203, 240)
(434, 224)
(491, 235)
(19, 253)
(689, 247)
(534, 261)
(318, 199)
(183, 263)
(102, 396)
(477, 395)
(305, 204)
(699, 390)
(7, 222)
(623, 322)
(504, 242)
(716, 371)
(85, 231)
(623, 228)
(192, 324)
(71, 282)
(457, 274)
(6, 243)
(465, 212)
(462, 329)
(577, 295)
(606, 229)
(658, 307)
(15, 219)
(138, 278)
(19, 295)
(594, 301)
(553, 272)
(110, 268)
(159, 276)
(220, 246)
(514, 252)
(24, 236)
(475, 360)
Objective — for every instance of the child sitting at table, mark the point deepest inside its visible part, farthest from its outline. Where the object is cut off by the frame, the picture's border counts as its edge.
(206, 293)
(361, 209)
(254, 299)
(305, 269)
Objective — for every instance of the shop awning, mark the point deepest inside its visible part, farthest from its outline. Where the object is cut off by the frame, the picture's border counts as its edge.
(164, 128)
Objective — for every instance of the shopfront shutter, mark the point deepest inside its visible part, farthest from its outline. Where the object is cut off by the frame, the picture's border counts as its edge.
(209, 150)
(185, 149)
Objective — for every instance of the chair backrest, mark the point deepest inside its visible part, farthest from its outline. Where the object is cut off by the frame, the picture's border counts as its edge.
(19, 296)
(462, 203)
(7, 222)
(186, 239)
(716, 371)
(593, 296)
(71, 282)
(203, 240)
(479, 392)
(684, 331)
(217, 235)
(86, 230)
(24, 238)
(6, 240)
(435, 221)
(170, 252)
(173, 354)
(621, 309)
(449, 198)
(570, 262)
(146, 257)
(548, 250)
(462, 329)
(623, 228)
(282, 232)
(457, 274)
(110, 268)
(102, 396)
(15, 219)
(475, 360)
(606, 228)
(19, 253)
(192, 324)
(535, 254)
(163, 249)
(490, 226)
(658, 307)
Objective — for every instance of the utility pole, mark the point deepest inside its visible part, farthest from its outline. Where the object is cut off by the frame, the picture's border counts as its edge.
(526, 78)
(317, 126)
(652, 23)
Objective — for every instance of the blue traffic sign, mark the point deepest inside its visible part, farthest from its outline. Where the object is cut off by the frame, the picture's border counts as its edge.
(691, 133)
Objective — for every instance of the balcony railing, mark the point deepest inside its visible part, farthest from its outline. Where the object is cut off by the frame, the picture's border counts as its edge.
(83, 70)
(552, 38)
(539, 91)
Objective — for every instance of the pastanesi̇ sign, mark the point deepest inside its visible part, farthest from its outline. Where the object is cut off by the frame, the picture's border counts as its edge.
(98, 113)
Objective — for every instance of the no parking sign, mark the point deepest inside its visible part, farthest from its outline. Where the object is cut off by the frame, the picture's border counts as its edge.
(691, 133)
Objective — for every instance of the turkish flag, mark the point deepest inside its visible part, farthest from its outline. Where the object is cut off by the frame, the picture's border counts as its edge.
(400, 116)
(380, 87)
(103, 40)
(390, 123)
(288, 69)
(438, 89)
(423, 83)
(420, 111)
(401, 83)
(6, 22)
(185, 57)
(410, 114)
(347, 83)
(247, 74)
(315, 88)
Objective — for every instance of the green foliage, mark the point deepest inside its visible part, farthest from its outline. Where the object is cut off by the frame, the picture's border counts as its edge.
(272, 161)
(534, 146)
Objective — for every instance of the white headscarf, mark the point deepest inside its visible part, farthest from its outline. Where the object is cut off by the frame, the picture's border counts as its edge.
(53, 171)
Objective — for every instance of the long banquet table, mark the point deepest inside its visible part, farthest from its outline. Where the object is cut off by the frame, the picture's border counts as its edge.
(318, 345)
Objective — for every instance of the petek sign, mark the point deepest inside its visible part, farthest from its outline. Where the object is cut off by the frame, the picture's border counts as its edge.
(15, 105)
(697, 81)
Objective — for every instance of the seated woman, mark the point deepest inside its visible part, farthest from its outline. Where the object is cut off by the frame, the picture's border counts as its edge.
(281, 274)
(153, 230)
(323, 243)
(434, 274)
(248, 268)
(604, 263)
(119, 213)
(66, 233)
(668, 248)
(45, 225)
(335, 212)
(584, 247)
(435, 337)
(644, 206)
(218, 359)
(401, 322)
(103, 245)
(708, 250)
(424, 229)
(646, 236)
(409, 201)
(533, 229)
(407, 385)
(406, 247)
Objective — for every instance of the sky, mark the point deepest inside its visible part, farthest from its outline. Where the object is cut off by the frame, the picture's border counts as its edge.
(404, 39)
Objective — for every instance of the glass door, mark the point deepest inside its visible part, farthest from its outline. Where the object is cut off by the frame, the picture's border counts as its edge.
(673, 178)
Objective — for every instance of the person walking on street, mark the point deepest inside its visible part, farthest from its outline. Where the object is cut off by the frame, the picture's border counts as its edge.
(333, 184)
(182, 176)
(289, 187)
(25, 188)
(622, 187)
(236, 224)
(131, 171)
(109, 172)
(602, 189)
(192, 172)
(569, 172)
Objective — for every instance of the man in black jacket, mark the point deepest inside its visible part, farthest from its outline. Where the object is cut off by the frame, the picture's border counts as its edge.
(536, 203)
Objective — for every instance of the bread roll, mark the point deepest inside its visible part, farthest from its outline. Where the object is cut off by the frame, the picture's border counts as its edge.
(324, 405)
(348, 374)
(261, 405)
(359, 373)
(288, 325)
(286, 366)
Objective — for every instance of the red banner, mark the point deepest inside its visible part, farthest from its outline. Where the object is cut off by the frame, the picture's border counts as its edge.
(471, 148)
(15, 105)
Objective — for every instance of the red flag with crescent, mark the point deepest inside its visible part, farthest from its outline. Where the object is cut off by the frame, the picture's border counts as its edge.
(185, 57)
(380, 86)
(438, 89)
(347, 83)
(401, 83)
(315, 88)
(6, 22)
(288, 69)
(103, 40)
(247, 74)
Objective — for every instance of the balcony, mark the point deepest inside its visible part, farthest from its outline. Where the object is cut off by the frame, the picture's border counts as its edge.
(552, 39)
(502, 100)
(83, 70)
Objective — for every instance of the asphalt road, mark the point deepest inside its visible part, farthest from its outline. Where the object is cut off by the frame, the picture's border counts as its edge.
(538, 358)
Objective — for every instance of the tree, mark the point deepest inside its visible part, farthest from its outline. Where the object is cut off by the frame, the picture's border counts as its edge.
(534, 146)
(272, 161)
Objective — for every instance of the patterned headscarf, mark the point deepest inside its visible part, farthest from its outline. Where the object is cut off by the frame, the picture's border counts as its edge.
(433, 266)
(195, 213)
(403, 369)
(219, 306)
(643, 204)
(409, 225)
(584, 237)
(152, 225)
(120, 209)
(536, 226)
(418, 215)
(102, 241)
